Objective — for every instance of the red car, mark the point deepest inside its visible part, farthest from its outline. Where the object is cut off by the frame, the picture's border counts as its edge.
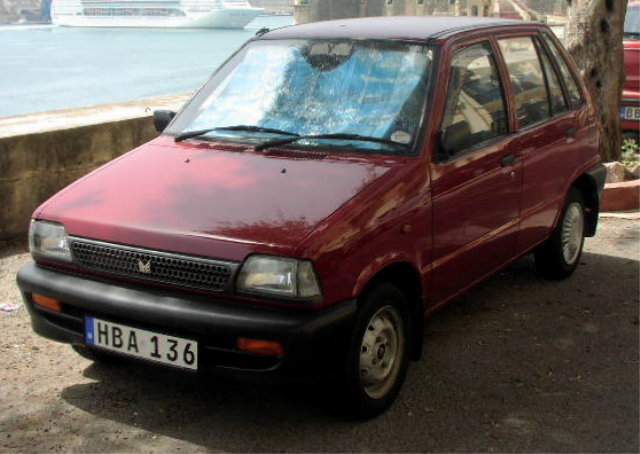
(630, 111)
(328, 187)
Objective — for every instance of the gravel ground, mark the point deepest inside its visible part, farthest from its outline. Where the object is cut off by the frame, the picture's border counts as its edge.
(518, 364)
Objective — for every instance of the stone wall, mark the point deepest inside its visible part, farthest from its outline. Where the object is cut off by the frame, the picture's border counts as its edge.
(10, 9)
(317, 10)
(42, 153)
(274, 6)
(544, 7)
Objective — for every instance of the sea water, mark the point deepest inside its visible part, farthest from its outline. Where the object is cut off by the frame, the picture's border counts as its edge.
(48, 67)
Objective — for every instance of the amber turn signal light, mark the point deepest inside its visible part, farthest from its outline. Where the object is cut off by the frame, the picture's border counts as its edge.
(261, 347)
(46, 302)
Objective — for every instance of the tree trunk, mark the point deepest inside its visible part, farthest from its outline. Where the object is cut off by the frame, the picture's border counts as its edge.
(594, 39)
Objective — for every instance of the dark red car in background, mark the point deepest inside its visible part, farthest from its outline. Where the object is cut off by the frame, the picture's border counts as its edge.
(329, 186)
(630, 111)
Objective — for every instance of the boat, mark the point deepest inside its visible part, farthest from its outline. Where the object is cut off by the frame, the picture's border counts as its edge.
(153, 13)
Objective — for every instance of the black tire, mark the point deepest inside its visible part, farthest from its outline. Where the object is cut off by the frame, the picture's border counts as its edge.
(384, 306)
(553, 260)
(93, 354)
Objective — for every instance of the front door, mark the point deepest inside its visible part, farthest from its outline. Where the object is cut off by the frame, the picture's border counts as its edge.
(476, 177)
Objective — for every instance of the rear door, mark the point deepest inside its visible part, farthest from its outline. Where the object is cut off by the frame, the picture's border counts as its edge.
(548, 132)
(476, 178)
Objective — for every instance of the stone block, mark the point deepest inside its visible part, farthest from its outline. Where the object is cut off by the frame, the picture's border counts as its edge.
(623, 196)
(615, 172)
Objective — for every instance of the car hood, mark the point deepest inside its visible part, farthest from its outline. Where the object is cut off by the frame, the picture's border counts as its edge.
(199, 199)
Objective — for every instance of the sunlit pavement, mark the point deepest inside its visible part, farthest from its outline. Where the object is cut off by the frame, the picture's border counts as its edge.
(519, 364)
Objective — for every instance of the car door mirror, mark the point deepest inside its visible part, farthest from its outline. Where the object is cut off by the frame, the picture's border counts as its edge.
(443, 149)
(453, 139)
(162, 118)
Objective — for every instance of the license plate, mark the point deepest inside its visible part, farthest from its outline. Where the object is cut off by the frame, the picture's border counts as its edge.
(630, 113)
(171, 350)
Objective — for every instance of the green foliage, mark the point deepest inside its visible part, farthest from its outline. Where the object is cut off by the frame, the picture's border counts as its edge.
(630, 153)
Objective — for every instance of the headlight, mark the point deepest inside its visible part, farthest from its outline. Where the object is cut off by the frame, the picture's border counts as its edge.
(278, 276)
(49, 241)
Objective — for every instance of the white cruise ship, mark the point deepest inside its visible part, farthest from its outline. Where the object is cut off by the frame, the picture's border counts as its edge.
(153, 13)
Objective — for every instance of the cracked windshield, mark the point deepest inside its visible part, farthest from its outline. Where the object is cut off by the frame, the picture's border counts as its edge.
(372, 89)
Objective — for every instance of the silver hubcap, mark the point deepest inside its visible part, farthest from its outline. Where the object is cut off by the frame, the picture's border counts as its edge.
(572, 233)
(381, 352)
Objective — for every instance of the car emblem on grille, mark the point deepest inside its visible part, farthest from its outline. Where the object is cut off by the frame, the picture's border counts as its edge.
(144, 267)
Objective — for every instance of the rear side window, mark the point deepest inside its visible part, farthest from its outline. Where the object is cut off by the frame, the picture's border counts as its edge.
(556, 97)
(475, 112)
(569, 81)
(527, 79)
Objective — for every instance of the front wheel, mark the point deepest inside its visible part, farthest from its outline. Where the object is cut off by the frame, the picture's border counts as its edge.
(378, 352)
(558, 257)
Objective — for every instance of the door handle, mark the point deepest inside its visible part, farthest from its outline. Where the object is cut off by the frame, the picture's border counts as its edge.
(571, 132)
(507, 160)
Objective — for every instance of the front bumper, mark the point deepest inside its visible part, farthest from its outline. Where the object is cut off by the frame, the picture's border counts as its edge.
(315, 342)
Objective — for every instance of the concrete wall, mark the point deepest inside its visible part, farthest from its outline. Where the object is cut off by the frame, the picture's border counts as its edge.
(42, 153)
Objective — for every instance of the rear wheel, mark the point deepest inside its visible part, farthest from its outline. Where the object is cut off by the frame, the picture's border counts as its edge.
(378, 352)
(558, 257)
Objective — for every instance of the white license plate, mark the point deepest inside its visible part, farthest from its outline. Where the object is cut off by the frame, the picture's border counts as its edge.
(630, 113)
(141, 343)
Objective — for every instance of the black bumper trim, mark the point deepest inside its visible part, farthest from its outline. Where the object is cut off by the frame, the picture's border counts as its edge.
(309, 337)
(598, 175)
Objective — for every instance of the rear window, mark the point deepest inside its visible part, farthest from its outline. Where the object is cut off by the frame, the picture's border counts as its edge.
(527, 79)
(556, 97)
(570, 82)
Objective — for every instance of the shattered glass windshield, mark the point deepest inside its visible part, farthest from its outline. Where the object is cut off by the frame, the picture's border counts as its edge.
(369, 88)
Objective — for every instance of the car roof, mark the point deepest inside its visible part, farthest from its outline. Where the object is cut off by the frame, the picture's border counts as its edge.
(391, 27)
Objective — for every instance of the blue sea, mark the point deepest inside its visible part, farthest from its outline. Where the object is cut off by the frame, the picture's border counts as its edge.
(47, 67)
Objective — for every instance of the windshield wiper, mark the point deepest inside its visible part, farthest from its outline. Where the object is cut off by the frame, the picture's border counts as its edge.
(248, 128)
(338, 136)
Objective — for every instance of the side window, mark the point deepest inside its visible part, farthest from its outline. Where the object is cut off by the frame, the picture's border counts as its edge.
(475, 111)
(570, 82)
(527, 79)
(556, 96)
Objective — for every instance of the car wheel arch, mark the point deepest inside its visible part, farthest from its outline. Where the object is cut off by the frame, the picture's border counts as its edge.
(406, 278)
(587, 185)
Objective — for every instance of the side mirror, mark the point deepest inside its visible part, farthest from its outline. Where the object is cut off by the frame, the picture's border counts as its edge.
(453, 139)
(162, 118)
(443, 150)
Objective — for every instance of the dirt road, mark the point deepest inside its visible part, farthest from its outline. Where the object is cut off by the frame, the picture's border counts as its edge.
(517, 364)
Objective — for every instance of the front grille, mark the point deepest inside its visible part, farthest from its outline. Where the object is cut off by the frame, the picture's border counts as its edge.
(184, 271)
